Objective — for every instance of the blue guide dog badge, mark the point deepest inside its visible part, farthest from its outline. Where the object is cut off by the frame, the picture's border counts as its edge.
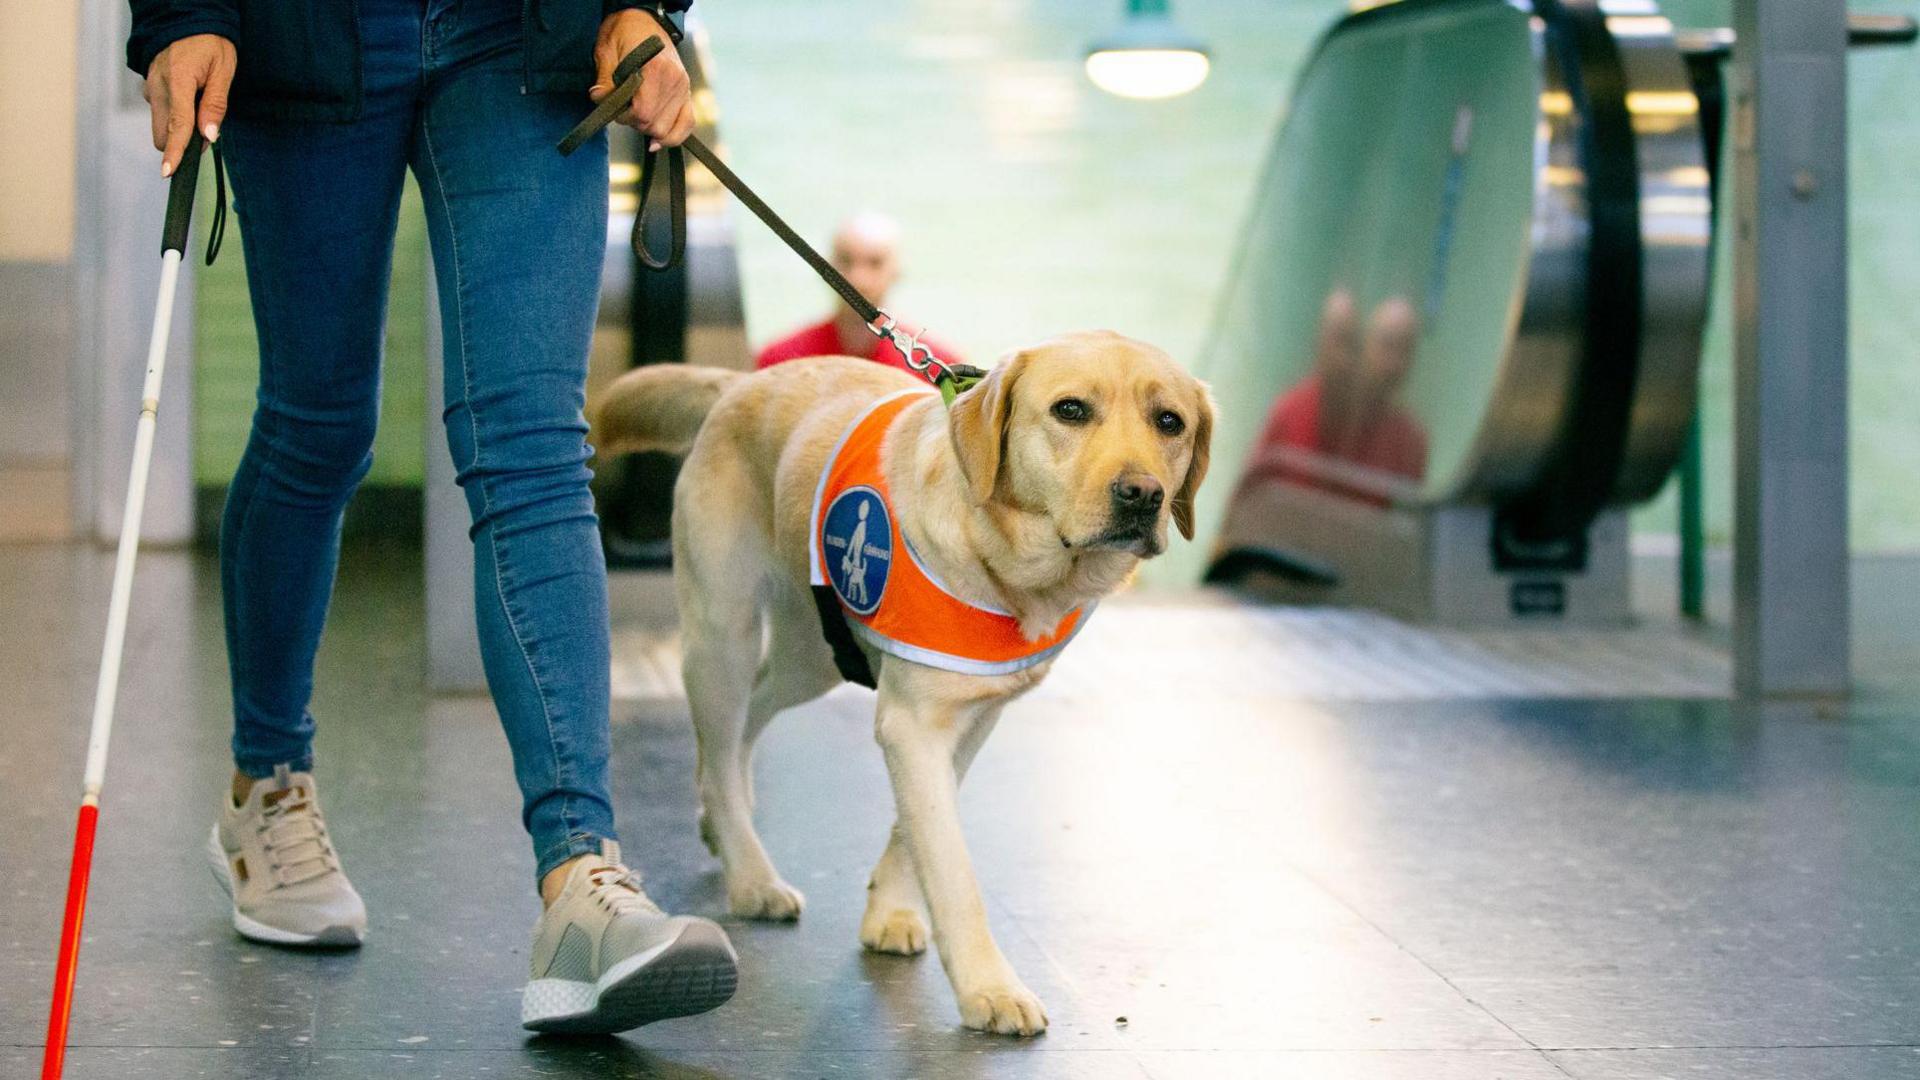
(857, 547)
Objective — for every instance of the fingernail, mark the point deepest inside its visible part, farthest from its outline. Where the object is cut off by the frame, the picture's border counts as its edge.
(653, 147)
(212, 132)
(166, 169)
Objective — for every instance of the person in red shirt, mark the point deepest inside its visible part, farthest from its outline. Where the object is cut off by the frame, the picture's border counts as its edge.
(866, 248)
(1347, 408)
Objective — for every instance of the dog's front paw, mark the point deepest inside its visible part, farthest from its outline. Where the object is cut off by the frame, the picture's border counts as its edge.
(1005, 1009)
(896, 930)
(774, 901)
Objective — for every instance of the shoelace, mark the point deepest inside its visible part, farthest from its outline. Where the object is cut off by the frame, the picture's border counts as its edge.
(617, 889)
(298, 848)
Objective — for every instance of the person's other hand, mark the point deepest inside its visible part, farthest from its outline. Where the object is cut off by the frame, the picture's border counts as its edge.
(197, 68)
(663, 109)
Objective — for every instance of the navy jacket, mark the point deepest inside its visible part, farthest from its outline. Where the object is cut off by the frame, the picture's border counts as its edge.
(300, 59)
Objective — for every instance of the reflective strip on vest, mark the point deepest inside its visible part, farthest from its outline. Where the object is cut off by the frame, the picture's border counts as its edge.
(892, 601)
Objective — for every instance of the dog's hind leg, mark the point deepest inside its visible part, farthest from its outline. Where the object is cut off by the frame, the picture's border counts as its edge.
(717, 658)
(797, 668)
(718, 568)
(896, 916)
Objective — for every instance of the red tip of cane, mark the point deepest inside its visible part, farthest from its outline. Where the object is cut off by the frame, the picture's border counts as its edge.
(63, 969)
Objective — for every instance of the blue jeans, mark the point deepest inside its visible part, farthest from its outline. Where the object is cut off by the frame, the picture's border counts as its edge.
(517, 233)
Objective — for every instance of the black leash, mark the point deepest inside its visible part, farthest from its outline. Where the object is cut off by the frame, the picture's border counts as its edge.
(950, 379)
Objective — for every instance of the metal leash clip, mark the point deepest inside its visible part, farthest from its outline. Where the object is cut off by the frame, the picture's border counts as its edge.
(949, 379)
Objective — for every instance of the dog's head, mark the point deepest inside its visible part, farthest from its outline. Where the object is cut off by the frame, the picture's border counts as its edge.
(1103, 435)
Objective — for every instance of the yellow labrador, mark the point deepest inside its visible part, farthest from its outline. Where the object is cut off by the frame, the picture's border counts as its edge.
(1037, 493)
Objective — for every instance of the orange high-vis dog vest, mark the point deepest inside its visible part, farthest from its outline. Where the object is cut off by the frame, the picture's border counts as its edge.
(885, 594)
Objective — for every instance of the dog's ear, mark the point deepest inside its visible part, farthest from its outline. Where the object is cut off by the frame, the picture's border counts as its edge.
(978, 424)
(1197, 465)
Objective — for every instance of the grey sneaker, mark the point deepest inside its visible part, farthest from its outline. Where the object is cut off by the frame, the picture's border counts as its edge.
(273, 856)
(605, 959)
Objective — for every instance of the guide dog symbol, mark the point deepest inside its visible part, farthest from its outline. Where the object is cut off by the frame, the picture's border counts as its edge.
(853, 565)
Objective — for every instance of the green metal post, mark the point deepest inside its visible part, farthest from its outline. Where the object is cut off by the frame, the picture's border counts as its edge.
(1693, 540)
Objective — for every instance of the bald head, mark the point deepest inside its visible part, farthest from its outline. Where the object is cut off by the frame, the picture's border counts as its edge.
(866, 248)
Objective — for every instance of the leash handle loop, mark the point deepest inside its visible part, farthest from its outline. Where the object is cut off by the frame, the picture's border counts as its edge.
(676, 210)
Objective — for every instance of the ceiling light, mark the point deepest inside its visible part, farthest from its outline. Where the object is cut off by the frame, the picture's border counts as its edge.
(1148, 55)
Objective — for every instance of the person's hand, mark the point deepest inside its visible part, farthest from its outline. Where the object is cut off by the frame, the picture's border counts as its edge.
(663, 109)
(194, 68)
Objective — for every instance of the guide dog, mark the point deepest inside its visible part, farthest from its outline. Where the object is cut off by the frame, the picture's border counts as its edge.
(1034, 495)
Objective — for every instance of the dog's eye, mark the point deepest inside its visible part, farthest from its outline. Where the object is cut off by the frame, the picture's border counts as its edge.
(1170, 423)
(1071, 410)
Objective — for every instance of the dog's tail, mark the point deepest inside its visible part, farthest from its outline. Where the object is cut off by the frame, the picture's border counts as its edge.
(658, 407)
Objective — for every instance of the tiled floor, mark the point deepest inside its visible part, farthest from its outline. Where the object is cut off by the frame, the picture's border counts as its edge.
(1199, 885)
(1255, 655)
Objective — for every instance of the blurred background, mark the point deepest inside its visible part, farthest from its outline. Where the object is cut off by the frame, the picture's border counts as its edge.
(1029, 200)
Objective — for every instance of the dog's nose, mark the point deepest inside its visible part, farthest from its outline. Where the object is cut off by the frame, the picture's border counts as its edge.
(1137, 492)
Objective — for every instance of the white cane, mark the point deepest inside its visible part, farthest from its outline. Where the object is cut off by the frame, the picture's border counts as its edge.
(173, 248)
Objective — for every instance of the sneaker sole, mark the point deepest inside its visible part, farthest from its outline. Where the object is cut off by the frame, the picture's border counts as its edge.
(332, 937)
(694, 972)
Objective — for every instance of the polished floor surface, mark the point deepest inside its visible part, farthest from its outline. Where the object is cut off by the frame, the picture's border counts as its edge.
(1200, 879)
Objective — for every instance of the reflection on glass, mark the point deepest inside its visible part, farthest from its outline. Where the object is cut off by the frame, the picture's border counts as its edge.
(1367, 317)
(1348, 409)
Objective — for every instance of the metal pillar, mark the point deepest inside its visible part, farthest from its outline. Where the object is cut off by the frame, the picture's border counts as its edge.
(1790, 348)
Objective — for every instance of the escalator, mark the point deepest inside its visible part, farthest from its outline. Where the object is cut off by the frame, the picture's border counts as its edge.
(1469, 300)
